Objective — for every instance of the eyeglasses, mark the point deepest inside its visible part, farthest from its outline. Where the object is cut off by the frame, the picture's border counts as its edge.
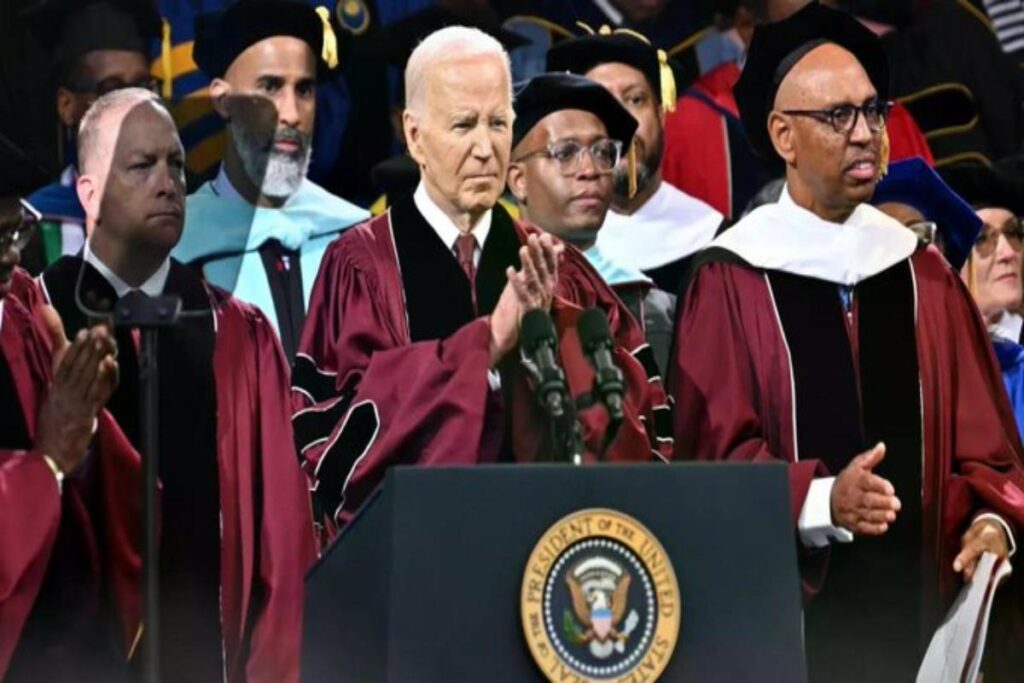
(21, 229)
(843, 117)
(109, 85)
(986, 243)
(568, 155)
(925, 230)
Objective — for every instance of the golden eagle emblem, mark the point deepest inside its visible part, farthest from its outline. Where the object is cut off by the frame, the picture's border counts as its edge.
(599, 588)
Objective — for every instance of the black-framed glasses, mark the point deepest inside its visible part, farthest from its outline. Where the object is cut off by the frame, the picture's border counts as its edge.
(568, 155)
(19, 231)
(987, 240)
(109, 85)
(843, 117)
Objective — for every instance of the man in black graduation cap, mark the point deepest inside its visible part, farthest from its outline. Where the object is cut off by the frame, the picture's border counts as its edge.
(98, 46)
(567, 139)
(817, 332)
(260, 228)
(652, 226)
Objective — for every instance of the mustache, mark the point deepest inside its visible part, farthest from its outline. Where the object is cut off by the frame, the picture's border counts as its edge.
(293, 135)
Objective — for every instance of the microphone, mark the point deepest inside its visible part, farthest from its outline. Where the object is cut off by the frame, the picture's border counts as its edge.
(539, 343)
(596, 339)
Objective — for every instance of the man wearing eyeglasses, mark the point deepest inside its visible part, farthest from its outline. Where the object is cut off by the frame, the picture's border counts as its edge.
(426, 367)
(566, 143)
(817, 332)
(97, 46)
(652, 226)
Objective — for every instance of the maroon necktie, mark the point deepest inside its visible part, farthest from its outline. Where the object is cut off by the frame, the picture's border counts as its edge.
(465, 247)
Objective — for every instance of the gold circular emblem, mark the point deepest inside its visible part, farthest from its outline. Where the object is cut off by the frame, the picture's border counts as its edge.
(600, 600)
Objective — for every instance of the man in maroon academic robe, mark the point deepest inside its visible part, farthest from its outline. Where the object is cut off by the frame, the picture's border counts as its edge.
(410, 352)
(816, 331)
(51, 429)
(236, 533)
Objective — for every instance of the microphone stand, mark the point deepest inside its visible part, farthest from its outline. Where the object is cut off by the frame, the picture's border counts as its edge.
(149, 315)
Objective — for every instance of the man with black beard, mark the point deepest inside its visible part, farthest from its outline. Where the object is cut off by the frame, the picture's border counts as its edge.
(260, 228)
(653, 227)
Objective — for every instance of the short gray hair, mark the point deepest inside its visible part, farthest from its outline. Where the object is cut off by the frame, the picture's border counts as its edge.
(452, 41)
(91, 129)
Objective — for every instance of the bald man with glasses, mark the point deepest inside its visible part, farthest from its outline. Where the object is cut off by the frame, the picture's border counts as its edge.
(818, 331)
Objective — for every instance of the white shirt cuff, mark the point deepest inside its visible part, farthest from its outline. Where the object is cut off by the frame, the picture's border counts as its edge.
(1003, 523)
(494, 379)
(815, 524)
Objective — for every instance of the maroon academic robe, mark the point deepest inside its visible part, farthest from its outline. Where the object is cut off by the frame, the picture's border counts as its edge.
(740, 384)
(32, 508)
(266, 535)
(377, 382)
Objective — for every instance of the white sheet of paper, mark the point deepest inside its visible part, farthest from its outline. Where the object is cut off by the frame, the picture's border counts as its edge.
(950, 657)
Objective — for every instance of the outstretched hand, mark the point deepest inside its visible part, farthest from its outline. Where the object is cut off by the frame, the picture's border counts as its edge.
(862, 501)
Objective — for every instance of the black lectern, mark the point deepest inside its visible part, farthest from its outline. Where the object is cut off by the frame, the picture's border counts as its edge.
(426, 582)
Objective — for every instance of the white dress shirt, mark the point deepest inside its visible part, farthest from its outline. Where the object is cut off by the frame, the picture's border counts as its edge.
(449, 233)
(154, 286)
(446, 228)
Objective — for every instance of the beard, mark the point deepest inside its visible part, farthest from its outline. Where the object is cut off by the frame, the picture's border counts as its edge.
(277, 174)
(646, 169)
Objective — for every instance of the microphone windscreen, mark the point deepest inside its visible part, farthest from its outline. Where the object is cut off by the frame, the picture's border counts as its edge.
(592, 328)
(537, 328)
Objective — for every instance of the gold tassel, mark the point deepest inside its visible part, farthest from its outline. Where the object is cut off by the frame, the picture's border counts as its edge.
(668, 83)
(167, 87)
(585, 28)
(330, 51)
(631, 169)
(883, 155)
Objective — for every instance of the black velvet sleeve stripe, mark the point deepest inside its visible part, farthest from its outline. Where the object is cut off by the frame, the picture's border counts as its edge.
(663, 423)
(314, 425)
(317, 385)
(353, 442)
(645, 356)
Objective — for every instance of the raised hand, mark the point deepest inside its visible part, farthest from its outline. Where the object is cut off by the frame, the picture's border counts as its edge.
(84, 378)
(533, 286)
(862, 501)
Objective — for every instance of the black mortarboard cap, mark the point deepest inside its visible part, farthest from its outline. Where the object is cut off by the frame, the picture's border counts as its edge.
(547, 93)
(73, 28)
(914, 183)
(777, 47)
(581, 54)
(983, 186)
(395, 42)
(223, 35)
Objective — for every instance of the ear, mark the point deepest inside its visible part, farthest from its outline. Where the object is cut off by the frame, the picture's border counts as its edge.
(782, 134)
(66, 107)
(517, 182)
(220, 90)
(413, 137)
(90, 194)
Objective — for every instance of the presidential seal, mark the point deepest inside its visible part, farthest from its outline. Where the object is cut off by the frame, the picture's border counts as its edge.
(599, 600)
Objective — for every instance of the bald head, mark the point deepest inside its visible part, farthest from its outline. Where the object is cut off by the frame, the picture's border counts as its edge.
(99, 128)
(829, 169)
(825, 73)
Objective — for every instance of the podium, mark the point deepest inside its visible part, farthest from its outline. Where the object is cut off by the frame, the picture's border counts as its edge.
(427, 581)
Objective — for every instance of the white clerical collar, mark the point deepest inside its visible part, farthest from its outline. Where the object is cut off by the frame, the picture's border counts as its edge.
(443, 225)
(1008, 327)
(787, 237)
(154, 286)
